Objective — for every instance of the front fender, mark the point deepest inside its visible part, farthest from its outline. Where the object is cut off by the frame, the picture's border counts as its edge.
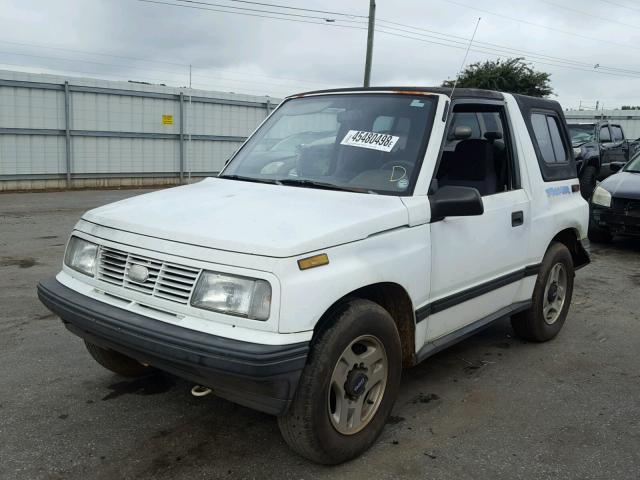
(400, 256)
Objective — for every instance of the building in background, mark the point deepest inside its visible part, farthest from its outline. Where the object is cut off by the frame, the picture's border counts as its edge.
(66, 132)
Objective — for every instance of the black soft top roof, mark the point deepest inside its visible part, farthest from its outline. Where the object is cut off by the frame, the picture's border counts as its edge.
(459, 92)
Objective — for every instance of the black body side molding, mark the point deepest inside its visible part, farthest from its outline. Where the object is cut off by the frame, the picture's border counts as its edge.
(457, 298)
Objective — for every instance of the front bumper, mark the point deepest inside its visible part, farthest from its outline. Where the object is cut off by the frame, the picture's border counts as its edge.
(262, 377)
(616, 222)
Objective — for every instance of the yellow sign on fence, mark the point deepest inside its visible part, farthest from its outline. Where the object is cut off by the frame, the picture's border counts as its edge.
(167, 119)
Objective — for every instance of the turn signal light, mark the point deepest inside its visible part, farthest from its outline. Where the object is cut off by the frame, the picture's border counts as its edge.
(312, 262)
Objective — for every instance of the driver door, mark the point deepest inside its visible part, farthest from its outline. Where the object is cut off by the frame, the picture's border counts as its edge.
(477, 260)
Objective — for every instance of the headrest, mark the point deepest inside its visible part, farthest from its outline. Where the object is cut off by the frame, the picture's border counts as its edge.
(493, 135)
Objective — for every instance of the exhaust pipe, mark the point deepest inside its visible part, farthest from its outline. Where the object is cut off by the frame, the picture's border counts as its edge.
(200, 391)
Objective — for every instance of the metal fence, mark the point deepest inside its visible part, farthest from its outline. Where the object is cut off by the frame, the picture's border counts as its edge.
(64, 132)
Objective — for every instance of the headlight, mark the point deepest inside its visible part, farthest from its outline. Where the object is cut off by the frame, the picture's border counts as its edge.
(601, 197)
(81, 256)
(242, 296)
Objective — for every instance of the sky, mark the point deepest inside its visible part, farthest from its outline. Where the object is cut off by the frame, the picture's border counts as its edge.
(591, 48)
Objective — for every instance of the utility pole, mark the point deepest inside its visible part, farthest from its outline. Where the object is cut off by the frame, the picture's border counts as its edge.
(372, 24)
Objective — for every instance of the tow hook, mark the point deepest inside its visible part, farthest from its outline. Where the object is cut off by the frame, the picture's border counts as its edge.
(200, 391)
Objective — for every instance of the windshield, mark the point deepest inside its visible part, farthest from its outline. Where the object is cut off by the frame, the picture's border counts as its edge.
(582, 133)
(634, 164)
(363, 142)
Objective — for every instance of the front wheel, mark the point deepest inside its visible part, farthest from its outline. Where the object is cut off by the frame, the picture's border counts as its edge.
(551, 297)
(348, 387)
(587, 180)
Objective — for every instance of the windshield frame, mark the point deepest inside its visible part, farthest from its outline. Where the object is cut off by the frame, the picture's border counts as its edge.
(635, 158)
(421, 153)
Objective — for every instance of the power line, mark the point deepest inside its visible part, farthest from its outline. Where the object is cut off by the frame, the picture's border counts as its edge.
(146, 77)
(299, 15)
(297, 8)
(139, 59)
(540, 25)
(545, 60)
(331, 24)
(621, 5)
(494, 46)
(498, 54)
(134, 68)
(580, 12)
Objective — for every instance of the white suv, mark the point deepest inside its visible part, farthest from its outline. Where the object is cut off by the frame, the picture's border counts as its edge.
(302, 280)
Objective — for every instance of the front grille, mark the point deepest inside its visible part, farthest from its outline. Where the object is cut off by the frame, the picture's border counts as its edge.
(626, 206)
(166, 280)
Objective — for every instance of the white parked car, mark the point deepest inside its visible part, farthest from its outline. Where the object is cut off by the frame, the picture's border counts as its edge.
(302, 287)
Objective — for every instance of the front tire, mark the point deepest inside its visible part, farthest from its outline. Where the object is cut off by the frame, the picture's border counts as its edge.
(117, 362)
(551, 297)
(588, 182)
(348, 387)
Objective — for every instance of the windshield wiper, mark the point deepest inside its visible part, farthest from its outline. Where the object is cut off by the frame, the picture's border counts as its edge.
(250, 179)
(296, 182)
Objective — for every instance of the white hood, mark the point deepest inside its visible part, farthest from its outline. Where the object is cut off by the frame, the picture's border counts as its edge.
(254, 218)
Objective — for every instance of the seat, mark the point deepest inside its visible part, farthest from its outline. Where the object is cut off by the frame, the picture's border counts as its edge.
(471, 165)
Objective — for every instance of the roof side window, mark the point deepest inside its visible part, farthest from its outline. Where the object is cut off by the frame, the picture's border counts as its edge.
(547, 135)
(605, 136)
(616, 131)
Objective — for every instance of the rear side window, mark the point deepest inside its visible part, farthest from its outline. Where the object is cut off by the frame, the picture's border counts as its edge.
(549, 136)
(546, 129)
(617, 133)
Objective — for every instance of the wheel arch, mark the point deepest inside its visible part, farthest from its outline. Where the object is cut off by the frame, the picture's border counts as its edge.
(592, 160)
(569, 237)
(394, 299)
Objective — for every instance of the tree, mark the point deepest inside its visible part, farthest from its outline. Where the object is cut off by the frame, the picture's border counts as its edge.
(513, 75)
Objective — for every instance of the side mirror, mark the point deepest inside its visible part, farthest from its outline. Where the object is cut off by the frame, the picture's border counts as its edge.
(450, 201)
(616, 166)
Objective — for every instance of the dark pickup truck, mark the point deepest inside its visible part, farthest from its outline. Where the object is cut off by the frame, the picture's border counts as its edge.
(596, 147)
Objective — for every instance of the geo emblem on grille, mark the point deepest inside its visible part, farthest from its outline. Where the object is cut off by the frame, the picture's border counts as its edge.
(138, 273)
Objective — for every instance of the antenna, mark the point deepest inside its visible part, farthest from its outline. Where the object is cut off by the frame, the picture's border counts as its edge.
(464, 62)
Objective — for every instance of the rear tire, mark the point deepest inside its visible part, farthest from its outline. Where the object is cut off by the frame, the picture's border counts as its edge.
(588, 182)
(551, 297)
(117, 362)
(332, 384)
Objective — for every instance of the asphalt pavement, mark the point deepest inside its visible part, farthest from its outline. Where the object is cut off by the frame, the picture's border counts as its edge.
(491, 407)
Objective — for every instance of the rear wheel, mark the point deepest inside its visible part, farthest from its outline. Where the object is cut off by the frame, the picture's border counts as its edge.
(117, 362)
(551, 297)
(348, 387)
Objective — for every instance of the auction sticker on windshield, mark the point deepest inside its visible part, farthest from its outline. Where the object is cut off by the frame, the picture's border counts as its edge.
(372, 140)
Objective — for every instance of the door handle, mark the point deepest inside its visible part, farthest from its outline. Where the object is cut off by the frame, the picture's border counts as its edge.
(517, 218)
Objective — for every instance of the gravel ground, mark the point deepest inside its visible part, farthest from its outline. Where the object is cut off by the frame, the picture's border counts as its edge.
(490, 407)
